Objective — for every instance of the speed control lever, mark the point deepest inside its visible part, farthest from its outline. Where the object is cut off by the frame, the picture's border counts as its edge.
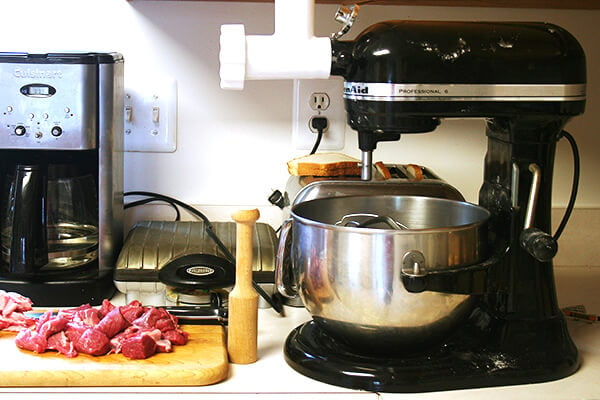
(539, 244)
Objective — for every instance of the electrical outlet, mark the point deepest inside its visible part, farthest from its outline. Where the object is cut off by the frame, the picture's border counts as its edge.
(319, 97)
(319, 101)
(151, 116)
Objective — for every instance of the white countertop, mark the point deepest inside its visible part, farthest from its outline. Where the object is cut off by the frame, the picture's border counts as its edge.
(271, 378)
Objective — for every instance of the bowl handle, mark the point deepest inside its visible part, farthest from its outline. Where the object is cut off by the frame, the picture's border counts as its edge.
(468, 280)
(284, 289)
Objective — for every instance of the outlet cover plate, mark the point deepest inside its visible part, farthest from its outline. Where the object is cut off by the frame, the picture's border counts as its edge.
(151, 116)
(303, 138)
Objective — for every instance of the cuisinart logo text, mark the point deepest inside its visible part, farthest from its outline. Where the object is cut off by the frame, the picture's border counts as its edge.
(37, 73)
(200, 270)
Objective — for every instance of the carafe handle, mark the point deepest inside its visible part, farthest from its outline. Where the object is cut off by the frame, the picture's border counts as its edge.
(284, 289)
(29, 244)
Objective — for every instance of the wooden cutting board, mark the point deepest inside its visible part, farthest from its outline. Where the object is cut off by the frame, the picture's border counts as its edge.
(202, 361)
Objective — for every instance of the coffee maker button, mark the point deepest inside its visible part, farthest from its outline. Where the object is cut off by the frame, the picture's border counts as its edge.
(45, 115)
(38, 134)
(31, 116)
(20, 130)
(56, 131)
(9, 109)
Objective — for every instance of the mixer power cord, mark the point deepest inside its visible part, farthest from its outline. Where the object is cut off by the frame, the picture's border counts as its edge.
(574, 185)
(319, 124)
(151, 196)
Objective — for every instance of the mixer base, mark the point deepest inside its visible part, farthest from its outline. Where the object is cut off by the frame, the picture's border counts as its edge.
(468, 359)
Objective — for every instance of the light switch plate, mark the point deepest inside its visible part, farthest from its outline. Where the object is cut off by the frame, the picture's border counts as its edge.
(151, 116)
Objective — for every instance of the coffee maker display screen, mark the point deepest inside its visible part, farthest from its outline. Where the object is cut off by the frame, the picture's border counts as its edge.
(38, 90)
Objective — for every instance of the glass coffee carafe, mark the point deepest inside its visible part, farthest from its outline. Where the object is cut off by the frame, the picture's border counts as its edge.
(50, 214)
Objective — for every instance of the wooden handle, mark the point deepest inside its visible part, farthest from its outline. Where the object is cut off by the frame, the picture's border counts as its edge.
(243, 299)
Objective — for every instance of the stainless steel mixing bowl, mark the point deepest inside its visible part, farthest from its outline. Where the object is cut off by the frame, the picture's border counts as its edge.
(347, 267)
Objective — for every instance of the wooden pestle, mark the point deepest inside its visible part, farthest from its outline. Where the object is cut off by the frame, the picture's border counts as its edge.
(243, 299)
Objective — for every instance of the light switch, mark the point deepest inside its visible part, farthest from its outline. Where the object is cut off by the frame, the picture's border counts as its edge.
(128, 113)
(150, 115)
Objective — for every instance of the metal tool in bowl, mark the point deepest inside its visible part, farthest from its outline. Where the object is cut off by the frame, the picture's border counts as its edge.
(350, 278)
(361, 220)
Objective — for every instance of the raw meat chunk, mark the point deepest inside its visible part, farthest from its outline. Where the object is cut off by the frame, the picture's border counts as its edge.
(106, 307)
(70, 312)
(139, 346)
(176, 336)
(89, 316)
(132, 311)
(61, 343)
(148, 319)
(29, 339)
(112, 323)
(134, 332)
(48, 325)
(93, 342)
(167, 321)
(15, 322)
(11, 302)
(12, 307)
(164, 346)
(74, 330)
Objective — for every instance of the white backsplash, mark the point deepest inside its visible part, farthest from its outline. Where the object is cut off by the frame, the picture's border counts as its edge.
(579, 244)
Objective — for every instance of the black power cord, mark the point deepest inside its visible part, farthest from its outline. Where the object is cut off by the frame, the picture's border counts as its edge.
(574, 185)
(151, 200)
(272, 301)
(319, 124)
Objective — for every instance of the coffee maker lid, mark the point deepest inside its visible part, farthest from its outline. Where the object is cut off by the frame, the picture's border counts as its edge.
(74, 57)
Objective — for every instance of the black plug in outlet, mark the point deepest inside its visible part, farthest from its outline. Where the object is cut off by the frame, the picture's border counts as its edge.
(318, 124)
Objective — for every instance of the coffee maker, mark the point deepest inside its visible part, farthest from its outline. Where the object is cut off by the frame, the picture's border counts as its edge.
(61, 174)
(403, 77)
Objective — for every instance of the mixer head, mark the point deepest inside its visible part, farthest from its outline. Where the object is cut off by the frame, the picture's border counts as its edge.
(402, 77)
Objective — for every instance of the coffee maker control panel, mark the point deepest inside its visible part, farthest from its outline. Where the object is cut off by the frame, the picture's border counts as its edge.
(48, 106)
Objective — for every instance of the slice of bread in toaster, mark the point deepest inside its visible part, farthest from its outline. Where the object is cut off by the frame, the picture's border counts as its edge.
(324, 164)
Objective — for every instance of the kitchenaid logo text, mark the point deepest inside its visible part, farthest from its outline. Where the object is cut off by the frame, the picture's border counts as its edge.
(356, 89)
(37, 73)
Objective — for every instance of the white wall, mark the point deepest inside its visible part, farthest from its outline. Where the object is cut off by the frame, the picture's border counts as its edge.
(232, 146)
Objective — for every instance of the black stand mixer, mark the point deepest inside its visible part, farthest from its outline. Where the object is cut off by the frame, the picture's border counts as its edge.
(527, 80)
